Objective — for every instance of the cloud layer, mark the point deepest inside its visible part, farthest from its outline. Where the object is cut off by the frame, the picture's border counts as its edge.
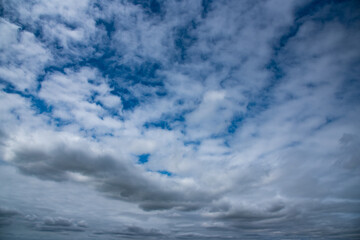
(180, 119)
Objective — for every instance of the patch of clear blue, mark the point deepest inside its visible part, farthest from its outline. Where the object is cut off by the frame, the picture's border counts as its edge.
(60, 122)
(39, 105)
(158, 124)
(151, 7)
(234, 124)
(184, 39)
(108, 26)
(143, 158)
(164, 172)
(206, 7)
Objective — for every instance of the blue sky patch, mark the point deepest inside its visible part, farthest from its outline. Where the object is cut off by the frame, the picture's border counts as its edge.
(164, 172)
(143, 158)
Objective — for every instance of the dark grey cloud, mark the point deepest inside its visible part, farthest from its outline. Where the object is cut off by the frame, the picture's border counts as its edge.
(113, 177)
(134, 232)
(49, 224)
(6, 215)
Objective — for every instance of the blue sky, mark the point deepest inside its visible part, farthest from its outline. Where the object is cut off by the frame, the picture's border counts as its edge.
(152, 119)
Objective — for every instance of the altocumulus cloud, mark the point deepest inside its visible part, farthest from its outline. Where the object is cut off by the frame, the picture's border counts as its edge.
(179, 119)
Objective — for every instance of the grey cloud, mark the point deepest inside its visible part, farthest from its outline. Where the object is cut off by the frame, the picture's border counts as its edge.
(114, 178)
(350, 155)
(51, 224)
(134, 232)
(202, 236)
(6, 215)
(163, 203)
(60, 224)
(299, 219)
(82, 224)
(250, 217)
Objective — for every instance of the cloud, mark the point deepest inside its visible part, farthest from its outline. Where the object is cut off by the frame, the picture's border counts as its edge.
(134, 232)
(6, 215)
(23, 56)
(212, 119)
(62, 91)
(59, 224)
(115, 178)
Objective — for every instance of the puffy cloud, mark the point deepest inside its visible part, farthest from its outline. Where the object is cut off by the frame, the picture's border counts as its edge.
(23, 56)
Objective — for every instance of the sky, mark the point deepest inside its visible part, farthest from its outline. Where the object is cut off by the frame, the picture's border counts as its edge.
(179, 119)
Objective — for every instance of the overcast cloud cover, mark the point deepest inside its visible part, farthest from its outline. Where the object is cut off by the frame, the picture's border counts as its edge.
(150, 119)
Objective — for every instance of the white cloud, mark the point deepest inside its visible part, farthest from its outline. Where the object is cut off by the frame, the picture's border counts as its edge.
(23, 56)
